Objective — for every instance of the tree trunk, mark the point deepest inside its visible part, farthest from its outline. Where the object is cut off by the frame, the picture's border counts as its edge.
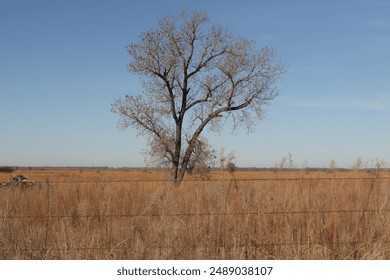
(180, 175)
(175, 172)
(176, 157)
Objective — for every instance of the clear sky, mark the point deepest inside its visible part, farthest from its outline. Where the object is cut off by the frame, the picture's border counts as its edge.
(63, 62)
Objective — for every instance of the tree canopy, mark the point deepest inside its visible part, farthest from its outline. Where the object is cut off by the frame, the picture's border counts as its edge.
(195, 75)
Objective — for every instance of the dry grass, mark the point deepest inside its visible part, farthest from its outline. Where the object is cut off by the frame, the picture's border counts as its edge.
(113, 214)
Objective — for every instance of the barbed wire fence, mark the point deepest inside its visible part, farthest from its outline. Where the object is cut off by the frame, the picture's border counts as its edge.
(256, 216)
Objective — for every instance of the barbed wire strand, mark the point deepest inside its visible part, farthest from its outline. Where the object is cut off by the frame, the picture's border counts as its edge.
(218, 180)
(207, 246)
(201, 214)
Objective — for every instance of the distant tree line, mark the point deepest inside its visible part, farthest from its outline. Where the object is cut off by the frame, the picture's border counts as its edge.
(7, 169)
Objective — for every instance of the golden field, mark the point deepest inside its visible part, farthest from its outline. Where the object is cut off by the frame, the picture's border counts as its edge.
(138, 214)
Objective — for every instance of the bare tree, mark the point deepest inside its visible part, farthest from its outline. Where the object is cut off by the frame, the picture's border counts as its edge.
(194, 76)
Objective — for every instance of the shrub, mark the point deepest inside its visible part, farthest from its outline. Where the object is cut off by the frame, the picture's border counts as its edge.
(7, 169)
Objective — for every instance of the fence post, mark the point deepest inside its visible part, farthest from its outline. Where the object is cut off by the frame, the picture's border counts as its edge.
(47, 215)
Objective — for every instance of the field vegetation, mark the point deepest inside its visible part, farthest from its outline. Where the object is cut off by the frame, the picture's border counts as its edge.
(139, 214)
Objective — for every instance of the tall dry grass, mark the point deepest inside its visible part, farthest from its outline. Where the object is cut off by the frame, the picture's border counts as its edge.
(269, 215)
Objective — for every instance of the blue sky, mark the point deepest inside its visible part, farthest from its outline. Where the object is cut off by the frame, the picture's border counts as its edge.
(62, 63)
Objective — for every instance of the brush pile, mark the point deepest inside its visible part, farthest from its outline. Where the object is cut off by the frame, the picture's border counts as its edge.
(20, 180)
